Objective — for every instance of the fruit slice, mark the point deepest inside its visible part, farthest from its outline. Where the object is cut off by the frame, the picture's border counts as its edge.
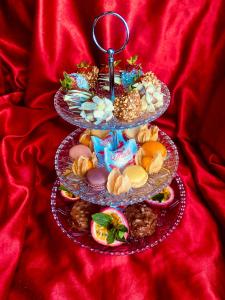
(67, 194)
(109, 227)
(165, 198)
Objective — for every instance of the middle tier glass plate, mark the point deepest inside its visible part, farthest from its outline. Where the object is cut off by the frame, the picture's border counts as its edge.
(74, 118)
(79, 186)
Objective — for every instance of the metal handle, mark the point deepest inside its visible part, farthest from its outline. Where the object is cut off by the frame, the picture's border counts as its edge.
(110, 51)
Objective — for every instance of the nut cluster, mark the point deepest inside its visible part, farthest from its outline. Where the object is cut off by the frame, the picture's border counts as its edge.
(141, 220)
(91, 76)
(150, 77)
(81, 214)
(128, 107)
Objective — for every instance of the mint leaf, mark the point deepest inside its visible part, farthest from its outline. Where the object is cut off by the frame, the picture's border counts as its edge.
(120, 236)
(159, 197)
(62, 188)
(122, 228)
(111, 236)
(102, 219)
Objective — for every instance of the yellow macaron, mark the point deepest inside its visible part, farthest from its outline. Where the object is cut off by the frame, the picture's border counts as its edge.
(137, 175)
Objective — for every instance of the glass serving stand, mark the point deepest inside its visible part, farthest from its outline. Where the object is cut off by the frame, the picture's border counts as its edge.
(168, 218)
(167, 221)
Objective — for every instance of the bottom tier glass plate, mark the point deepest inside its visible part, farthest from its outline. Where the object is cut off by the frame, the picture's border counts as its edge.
(167, 221)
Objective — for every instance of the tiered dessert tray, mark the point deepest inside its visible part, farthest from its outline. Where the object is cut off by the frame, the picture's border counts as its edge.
(117, 190)
(167, 222)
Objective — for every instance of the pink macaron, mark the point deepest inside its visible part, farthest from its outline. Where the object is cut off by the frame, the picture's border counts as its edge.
(79, 150)
(97, 178)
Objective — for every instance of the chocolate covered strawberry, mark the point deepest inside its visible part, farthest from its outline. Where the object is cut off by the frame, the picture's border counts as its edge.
(69, 82)
(102, 90)
(105, 67)
(103, 77)
(132, 73)
(83, 78)
(88, 71)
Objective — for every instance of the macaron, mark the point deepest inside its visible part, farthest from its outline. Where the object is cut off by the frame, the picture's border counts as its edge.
(79, 150)
(137, 175)
(97, 178)
(153, 147)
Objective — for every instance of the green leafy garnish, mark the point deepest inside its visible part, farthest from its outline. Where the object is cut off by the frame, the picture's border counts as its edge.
(115, 232)
(111, 235)
(67, 82)
(132, 60)
(120, 234)
(117, 62)
(62, 188)
(159, 197)
(102, 219)
(122, 228)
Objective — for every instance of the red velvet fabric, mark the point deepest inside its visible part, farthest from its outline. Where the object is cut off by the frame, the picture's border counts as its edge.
(183, 42)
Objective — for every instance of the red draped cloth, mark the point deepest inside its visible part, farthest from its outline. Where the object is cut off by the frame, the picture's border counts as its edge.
(183, 42)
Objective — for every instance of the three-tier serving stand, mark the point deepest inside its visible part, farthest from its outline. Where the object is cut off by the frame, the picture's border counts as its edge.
(168, 218)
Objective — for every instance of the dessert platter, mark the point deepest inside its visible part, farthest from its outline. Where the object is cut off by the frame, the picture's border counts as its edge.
(117, 190)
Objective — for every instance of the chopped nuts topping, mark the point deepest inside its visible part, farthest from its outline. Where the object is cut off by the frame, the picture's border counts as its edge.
(141, 219)
(128, 107)
(81, 214)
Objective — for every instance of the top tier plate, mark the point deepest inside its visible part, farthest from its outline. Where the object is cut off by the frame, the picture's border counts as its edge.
(114, 124)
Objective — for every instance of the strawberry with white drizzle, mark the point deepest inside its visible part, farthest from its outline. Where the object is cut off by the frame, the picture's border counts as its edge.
(103, 77)
(84, 77)
(132, 73)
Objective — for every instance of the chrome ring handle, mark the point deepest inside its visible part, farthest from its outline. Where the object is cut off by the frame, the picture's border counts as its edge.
(111, 51)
